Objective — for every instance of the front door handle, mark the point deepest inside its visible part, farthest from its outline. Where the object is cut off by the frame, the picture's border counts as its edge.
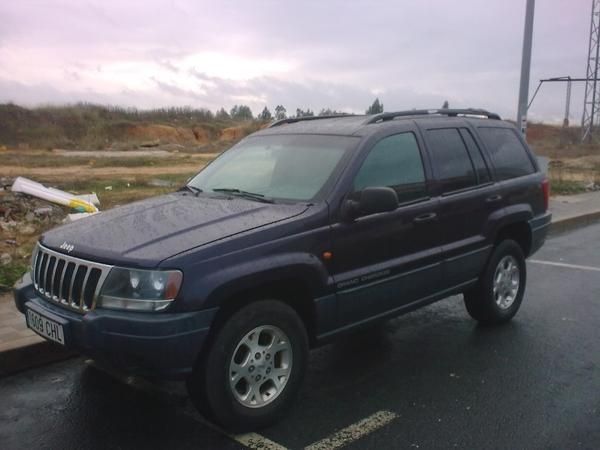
(493, 199)
(427, 217)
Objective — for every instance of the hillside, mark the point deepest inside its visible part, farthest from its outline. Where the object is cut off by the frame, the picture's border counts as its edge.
(92, 127)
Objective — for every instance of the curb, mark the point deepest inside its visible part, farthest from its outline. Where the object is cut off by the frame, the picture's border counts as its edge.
(30, 356)
(574, 222)
(45, 352)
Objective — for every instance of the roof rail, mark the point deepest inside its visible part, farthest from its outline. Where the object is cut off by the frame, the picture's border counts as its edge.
(301, 119)
(426, 112)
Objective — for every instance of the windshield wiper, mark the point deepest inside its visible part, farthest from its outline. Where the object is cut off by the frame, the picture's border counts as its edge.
(191, 188)
(246, 194)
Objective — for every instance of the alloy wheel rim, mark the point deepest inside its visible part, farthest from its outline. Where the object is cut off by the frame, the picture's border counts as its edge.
(506, 282)
(260, 366)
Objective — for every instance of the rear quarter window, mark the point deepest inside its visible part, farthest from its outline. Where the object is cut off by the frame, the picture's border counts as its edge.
(508, 154)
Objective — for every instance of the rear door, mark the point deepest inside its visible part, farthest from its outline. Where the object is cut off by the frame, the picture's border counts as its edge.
(385, 261)
(468, 198)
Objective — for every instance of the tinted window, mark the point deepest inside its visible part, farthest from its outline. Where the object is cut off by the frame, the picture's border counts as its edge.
(395, 162)
(476, 157)
(454, 169)
(508, 155)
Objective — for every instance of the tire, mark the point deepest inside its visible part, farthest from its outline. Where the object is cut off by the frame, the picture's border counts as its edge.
(277, 373)
(489, 306)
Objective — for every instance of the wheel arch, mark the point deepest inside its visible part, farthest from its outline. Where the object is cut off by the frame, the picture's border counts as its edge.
(296, 280)
(520, 232)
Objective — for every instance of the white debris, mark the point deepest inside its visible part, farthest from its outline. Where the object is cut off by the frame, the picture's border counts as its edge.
(57, 196)
(90, 198)
(76, 216)
(5, 259)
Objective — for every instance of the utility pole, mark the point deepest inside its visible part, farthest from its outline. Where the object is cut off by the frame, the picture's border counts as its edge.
(568, 104)
(525, 66)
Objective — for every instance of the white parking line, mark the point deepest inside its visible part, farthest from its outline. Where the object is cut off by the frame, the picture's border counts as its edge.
(256, 441)
(355, 431)
(569, 266)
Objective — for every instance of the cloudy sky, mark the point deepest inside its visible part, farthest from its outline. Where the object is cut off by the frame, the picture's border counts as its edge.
(309, 54)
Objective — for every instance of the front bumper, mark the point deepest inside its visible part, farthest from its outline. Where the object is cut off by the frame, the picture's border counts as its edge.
(164, 345)
(540, 226)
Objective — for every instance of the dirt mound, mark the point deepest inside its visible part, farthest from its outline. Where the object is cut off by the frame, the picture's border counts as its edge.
(232, 133)
(541, 132)
(201, 135)
(164, 133)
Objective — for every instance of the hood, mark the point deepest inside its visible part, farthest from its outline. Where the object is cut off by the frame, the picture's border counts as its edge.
(147, 232)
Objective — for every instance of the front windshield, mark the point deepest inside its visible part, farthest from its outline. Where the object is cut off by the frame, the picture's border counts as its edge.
(291, 167)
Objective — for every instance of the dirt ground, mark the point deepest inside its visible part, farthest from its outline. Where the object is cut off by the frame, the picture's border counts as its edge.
(87, 172)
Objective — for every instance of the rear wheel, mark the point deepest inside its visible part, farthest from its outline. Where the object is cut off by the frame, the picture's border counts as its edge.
(254, 368)
(498, 295)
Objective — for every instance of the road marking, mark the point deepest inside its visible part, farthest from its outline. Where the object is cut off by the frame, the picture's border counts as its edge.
(256, 441)
(249, 440)
(355, 431)
(569, 266)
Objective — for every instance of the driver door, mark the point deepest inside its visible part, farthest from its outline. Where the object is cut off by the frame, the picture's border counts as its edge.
(384, 262)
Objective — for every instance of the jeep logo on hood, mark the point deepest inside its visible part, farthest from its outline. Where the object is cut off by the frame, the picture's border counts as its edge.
(67, 247)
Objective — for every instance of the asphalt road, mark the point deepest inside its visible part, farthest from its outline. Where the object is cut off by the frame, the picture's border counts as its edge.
(431, 379)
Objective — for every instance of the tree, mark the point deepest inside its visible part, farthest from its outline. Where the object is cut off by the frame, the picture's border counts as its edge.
(375, 108)
(265, 115)
(280, 112)
(222, 114)
(302, 113)
(445, 105)
(331, 112)
(241, 112)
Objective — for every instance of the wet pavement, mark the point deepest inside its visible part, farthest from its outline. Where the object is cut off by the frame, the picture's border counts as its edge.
(440, 380)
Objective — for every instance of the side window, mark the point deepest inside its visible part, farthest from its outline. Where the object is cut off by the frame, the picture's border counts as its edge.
(454, 169)
(395, 162)
(476, 158)
(507, 152)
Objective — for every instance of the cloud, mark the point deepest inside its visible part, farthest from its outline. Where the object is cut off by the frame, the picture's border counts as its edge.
(309, 54)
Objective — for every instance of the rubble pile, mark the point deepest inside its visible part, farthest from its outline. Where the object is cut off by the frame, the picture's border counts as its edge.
(22, 217)
(17, 208)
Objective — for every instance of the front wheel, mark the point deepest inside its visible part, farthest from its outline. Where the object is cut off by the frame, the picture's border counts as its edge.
(254, 368)
(498, 295)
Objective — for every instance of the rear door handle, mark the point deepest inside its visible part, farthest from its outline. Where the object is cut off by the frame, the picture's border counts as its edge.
(428, 217)
(493, 199)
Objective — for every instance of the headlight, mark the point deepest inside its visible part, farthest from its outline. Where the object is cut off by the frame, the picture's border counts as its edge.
(139, 290)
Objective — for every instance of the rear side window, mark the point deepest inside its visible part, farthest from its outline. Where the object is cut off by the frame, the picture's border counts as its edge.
(508, 155)
(476, 157)
(395, 162)
(453, 166)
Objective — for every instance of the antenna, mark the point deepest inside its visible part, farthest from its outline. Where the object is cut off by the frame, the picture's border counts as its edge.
(591, 102)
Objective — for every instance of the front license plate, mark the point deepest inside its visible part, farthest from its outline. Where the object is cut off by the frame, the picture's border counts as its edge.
(45, 327)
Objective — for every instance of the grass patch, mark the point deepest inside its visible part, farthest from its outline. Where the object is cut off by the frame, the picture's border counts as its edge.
(10, 273)
(122, 190)
(32, 159)
(566, 187)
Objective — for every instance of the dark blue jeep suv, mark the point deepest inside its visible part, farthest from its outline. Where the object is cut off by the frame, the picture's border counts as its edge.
(299, 233)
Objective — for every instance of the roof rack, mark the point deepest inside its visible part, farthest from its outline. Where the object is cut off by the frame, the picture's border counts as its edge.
(427, 112)
(302, 119)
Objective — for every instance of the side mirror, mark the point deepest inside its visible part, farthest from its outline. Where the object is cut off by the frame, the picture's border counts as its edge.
(373, 200)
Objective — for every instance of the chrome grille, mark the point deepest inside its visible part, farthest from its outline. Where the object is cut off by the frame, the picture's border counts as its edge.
(67, 281)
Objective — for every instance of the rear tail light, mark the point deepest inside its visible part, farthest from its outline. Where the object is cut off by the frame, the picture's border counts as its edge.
(546, 191)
